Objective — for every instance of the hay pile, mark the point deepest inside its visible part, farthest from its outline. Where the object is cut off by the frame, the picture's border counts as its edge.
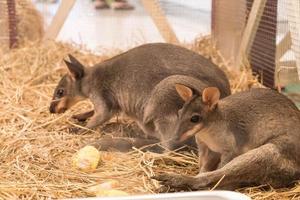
(239, 80)
(36, 148)
(30, 25)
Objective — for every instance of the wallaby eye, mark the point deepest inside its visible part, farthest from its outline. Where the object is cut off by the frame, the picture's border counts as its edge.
(195, 118)
(59, 92)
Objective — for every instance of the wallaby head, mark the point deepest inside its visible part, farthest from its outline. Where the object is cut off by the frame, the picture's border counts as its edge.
(69, 90)
(175, 108)
(196, 109)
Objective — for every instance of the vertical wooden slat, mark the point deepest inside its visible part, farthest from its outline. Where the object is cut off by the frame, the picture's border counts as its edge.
(4, 35)
(12, 23)
(213, 20)
(228, 21)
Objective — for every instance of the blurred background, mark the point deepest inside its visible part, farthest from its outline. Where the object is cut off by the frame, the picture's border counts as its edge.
(111, 28)
(261, 34)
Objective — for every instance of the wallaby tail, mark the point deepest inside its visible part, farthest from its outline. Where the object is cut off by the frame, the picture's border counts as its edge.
(263, 165)
(125, 144)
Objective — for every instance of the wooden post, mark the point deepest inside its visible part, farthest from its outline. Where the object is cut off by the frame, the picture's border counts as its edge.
(250, 29)
(59, 19)
(228, 19)
(160, 20)
(4, 35)
(12, 23)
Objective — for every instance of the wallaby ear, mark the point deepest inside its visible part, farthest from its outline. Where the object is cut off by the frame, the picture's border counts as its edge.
(211, 96)
(75, 61)
(184, 92)
(76, 69)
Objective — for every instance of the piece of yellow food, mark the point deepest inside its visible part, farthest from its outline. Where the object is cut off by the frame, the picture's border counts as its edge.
(103, 186)
(111, 193)
(106, 189)
(106, 156)
(86, 159)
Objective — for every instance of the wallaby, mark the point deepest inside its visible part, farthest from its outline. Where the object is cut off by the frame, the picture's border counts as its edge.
(163, 108)
(124, 84)
(249, 138)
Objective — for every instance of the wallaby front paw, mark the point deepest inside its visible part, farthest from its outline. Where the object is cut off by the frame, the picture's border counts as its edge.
(76, 130)
(165, 189)
(83, 116)
(176, 181)
(80, 117)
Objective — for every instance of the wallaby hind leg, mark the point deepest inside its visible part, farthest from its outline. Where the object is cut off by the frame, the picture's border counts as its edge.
(83, 116)
(126, 144)
(263, 165)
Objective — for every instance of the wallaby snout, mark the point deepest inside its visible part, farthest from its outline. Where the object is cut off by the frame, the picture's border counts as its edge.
(176, 143)
(58, 106)
(62, 104)
(52, 108)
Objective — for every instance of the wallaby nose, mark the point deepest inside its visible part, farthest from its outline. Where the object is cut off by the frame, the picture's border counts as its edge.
(52, 108)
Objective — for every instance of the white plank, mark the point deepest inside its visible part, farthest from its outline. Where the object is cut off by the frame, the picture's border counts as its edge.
(59, 18)
(283, 46)
(160, 20)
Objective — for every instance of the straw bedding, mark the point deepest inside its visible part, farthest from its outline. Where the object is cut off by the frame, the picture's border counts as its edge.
(36, 148)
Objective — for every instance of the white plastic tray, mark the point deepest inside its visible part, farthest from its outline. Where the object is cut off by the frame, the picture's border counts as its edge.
(202, 195)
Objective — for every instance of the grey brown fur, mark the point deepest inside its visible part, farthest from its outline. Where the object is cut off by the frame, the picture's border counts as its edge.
(163, 106)
(124, 84)
(250, 138)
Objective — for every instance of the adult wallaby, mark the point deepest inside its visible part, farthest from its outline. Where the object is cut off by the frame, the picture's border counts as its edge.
(249, 138)
(124, 84)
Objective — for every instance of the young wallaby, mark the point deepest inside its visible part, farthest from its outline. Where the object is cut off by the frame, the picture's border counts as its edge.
(163, 108)
(124, 83)
(249, 138)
